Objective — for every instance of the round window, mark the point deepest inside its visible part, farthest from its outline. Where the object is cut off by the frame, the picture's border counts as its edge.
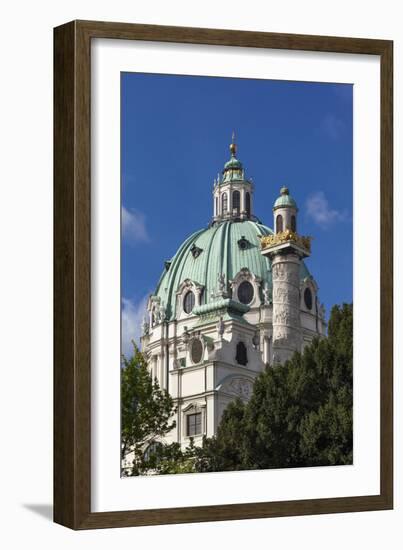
(196, 351)
(188, 302)
(308, 298)
(245, 292)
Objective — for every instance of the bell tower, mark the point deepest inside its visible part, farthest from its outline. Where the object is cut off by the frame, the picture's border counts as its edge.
(232, 192)
(286, 248)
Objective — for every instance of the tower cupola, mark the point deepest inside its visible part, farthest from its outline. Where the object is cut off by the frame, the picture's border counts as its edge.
(232, 191)
(285, 212)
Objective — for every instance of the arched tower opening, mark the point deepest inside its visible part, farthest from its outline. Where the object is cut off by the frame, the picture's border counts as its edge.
(236, 202)
(224, 203)
(279, 223)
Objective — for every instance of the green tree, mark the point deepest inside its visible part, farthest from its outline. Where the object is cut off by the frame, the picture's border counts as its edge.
(147, 410)
(226, 451)
(327, 434)
(300, 413)
(171, 459)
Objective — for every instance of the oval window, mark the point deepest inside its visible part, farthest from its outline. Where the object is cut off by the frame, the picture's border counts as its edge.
(188, 302)
(245, 292)
(196, 351)
(308, 298)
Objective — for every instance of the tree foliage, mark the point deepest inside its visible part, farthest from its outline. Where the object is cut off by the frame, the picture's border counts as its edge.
(300, 413)
(147, 410)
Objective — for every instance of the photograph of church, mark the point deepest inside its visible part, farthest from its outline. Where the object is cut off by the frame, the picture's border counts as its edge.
(237, 295)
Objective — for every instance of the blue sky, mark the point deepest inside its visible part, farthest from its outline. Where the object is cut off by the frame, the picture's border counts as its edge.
(175, 136)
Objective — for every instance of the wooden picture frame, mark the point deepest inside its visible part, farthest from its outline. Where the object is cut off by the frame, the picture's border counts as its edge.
(72, 271)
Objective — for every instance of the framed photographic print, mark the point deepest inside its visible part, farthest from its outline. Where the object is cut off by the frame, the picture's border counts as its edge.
(223, 275)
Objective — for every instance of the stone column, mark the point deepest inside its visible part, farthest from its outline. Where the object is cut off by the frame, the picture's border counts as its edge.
(266, 350)
(242, 205)
(286, 310)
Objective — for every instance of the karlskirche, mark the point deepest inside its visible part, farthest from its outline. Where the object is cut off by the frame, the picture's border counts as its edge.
(235, 298)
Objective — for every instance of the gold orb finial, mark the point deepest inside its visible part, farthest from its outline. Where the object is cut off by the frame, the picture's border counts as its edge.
(232, 147)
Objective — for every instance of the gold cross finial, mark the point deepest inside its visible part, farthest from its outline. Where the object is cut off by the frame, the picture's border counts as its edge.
(232, 147)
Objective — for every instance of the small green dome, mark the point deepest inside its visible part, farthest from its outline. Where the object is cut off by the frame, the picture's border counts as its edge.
(285, 199)
(233, 169)
(233, 164)
(224, 248)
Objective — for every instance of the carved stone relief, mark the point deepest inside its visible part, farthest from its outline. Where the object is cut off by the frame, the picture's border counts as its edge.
(286, 294)
(288, 272)
(241, 387)
(286, 317)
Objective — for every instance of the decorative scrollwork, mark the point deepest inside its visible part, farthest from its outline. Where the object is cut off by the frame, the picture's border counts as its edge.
(283, 237)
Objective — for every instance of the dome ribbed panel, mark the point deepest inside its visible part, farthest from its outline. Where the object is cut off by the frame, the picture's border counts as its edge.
(220, 254)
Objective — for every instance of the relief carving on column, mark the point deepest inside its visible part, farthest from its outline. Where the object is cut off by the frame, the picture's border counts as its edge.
(284, 294)
(278, 272)
(287, 273)
(286, 317)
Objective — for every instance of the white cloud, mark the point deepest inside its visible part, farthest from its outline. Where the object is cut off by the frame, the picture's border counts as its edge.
(318, 209)
(134, 226)
(132, 317)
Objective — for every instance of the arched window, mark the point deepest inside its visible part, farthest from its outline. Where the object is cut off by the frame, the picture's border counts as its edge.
(279, 223)
(236, 201)
(293, 224)
(216, 206)
(152, 451)
(247, 204)
(188, 301)
(241, 354)
(224, 203)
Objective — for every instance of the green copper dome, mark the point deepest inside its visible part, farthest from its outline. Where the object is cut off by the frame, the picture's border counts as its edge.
(285, 199)
(223, 248)
(233, 164)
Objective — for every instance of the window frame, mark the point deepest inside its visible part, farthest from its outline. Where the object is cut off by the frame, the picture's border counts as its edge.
(190, 415)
